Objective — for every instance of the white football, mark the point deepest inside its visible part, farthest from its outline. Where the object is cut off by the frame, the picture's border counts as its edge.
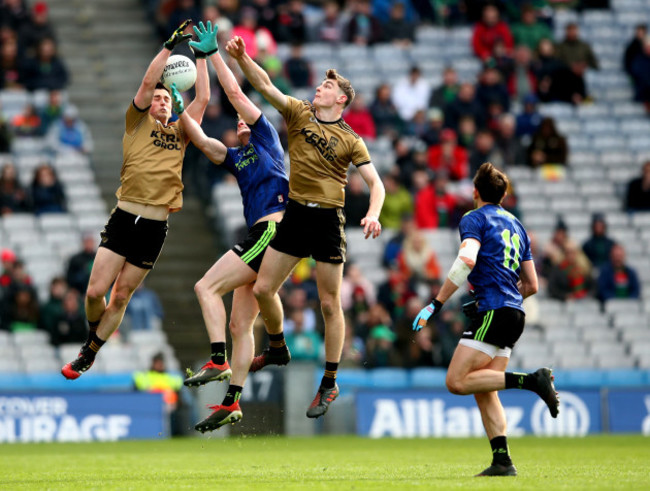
(179, 70)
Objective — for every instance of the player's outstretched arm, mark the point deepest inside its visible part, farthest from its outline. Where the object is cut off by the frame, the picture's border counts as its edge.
(206, 45)
(528, 279)
(213, 149)
(458, 273)
(370, 222)
(256, 74)
(152, 76)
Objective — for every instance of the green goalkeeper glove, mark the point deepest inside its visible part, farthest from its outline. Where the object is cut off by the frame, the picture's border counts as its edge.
(178, 36)
(178, 104)
(207, 43)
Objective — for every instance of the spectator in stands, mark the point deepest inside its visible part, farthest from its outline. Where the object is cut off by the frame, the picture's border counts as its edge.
(52, 111)
(14, 13)
(6, 135)
(395, 292)
(70, 133)
(13, 197)
(45, 70)
(22, 309)
(616, 278)
(574, 50)
(304, 345)
(398, 201)
(445, 93)
(46, 191)
(634, 47)
(27, 123)
(466, 132)
(296, 300)
(502, 59)
(435, 205)
(81, 263)
(555, 250)
(358, 294)
(491, 89)
(145, 310)
(640, 71)
(70, 324)
(433, 130)
(52, 309)
(548, 146)
(512, 151)
(38, 28)
(363, 28)
(12, 75)
(159, 381)
(398, 30)
(545, 67)
(567, 85)
(354, 349)
(384, 113)
(298, 68)
(488, 30)
(257, 38)
(331, 28)
(420, 352)
(449, 157)
(291, 22)
(273, 67)
(380, 349)
(529, 32)
(598, 247)
(638, 191)
(395, 243)
(417, 259)
(359, 117)
(522, 81)
(9, 259)
(529, 120)
(411, 94)
(571, 278)
(485, 150)
(356, 200)
(267, 16)
(464, 105)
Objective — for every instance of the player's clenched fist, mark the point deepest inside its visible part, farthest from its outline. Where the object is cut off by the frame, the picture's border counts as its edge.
(236, 47)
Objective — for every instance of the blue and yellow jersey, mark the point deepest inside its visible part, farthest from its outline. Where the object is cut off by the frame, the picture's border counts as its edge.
(504, 246)
(260, 173)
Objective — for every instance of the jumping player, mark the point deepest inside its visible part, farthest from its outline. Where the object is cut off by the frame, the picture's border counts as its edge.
(151, 189)
(258, 165)
(495, 257)
(321, 148)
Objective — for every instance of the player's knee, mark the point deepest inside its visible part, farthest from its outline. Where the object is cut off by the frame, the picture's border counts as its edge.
(94, 294)
(329, 306)
(454, 385)
(200, 288)
(262, 291)
(120, 297)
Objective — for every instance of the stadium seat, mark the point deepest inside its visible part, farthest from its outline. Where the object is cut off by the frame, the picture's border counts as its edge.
(389, 378)
(31, 337)
(579, 379)
(428, 377)
(599, 334)
(570, 361)
(617, 305)
(624, 378)
(607, 361)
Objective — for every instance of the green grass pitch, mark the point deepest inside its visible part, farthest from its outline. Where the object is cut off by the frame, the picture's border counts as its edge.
(332, 463)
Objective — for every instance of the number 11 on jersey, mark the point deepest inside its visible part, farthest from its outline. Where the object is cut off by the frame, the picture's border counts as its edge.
(511, 244)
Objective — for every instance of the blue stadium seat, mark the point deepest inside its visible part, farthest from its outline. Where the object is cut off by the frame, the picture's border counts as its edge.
(428, 377)
(389, 378)
(579, 379)
(624, 378)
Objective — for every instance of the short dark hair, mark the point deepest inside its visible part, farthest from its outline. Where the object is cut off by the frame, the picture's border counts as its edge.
(159, 85)
(491, 183)
(344, 85)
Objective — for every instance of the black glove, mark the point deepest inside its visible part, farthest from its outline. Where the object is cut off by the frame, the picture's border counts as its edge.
(470, 309)
(178, 36)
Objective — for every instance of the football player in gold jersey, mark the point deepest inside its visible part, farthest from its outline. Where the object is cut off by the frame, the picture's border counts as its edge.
(321, 148)
(153, 151)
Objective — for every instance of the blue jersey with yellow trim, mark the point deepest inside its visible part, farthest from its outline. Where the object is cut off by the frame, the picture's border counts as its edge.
(260, 173)
(504, 246)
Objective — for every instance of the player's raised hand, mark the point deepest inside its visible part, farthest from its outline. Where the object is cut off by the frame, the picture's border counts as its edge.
(207, 43)
(178, 104)
(178, 36)
(425, 314)
(371, 226)
(236, 47)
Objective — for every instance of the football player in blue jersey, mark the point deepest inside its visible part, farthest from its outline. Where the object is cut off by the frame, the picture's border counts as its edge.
(258, 165)
(495, 257)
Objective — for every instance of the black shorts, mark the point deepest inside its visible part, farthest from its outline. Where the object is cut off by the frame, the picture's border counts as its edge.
(317, 232)
(501, 327)
(138, 239)
(251, 249)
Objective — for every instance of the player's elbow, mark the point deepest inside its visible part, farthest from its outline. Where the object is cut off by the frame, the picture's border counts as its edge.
(469, 262)
(532, 287)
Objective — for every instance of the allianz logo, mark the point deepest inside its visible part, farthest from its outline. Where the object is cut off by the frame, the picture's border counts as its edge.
(435, 418)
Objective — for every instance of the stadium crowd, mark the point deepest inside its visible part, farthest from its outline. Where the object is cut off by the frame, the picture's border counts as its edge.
(440, 135)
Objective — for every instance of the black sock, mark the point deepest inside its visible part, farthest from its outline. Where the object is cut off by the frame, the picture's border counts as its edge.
(329, 378)
(93, 344)
(93, 325)
(218, 354)
(516, 380)
(233, 395)
(500, 452)
(276, 342)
